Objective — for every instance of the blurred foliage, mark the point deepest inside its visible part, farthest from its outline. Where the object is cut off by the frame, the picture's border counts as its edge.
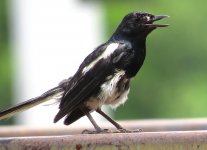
(173, 80)
(5, 63)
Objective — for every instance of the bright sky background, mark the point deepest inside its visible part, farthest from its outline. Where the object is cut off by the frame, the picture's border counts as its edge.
(50, 40)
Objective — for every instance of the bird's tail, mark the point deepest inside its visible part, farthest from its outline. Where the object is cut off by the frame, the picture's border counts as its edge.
(50, 94)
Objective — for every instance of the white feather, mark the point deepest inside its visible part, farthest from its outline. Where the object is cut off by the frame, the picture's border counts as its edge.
(109, 94)
(121, 100)
(109, 88)
(109, 50)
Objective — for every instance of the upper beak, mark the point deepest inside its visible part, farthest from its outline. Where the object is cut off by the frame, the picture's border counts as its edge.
(160, 17)
(156, 18)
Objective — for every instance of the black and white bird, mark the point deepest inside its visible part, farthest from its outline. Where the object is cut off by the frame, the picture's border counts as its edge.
(103, 78)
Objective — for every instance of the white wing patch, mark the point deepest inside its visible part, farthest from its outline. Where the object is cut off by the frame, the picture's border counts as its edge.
(109, 50)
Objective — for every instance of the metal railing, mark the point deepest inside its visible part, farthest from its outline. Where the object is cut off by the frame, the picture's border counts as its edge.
(157, 134)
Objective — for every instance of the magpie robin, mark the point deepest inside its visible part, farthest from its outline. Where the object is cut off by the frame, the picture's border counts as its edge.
(103, 77)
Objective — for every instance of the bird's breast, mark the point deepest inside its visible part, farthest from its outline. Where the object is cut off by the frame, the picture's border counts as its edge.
(114, 91)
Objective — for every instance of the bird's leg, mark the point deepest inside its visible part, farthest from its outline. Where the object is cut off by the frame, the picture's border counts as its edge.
(96, 126)
(118, 126)
(98, 129)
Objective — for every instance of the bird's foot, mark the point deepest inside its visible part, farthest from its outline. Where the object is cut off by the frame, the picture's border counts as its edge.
(128, 131)
(111, 131)
(96, 132)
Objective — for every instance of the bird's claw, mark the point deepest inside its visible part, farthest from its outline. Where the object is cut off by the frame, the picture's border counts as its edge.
(128, 131)
(96, 132)
(111, 131)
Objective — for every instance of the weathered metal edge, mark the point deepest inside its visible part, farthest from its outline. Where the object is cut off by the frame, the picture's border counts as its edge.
(141, 140)
(146, 125)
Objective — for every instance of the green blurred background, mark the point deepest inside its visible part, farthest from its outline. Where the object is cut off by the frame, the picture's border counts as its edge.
(5, 61)
(173, 80)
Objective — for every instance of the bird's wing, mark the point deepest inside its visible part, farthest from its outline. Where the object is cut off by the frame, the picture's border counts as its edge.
(86, 82)
(85, 87)
(88, 79)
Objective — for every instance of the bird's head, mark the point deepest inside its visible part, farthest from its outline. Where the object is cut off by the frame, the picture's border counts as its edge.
(139, 24)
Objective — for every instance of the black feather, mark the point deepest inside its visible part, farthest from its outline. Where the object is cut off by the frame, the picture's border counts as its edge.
(115, 70)
(75, 115)
(88, 85)
(30, 103)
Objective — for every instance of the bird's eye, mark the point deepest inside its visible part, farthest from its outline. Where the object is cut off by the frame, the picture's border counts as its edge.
(147, 18)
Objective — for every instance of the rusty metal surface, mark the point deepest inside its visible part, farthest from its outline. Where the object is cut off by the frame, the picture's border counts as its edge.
(145, 125)
(181, 140)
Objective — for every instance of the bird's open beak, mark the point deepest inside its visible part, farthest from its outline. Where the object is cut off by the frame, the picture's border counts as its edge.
(156, 18)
